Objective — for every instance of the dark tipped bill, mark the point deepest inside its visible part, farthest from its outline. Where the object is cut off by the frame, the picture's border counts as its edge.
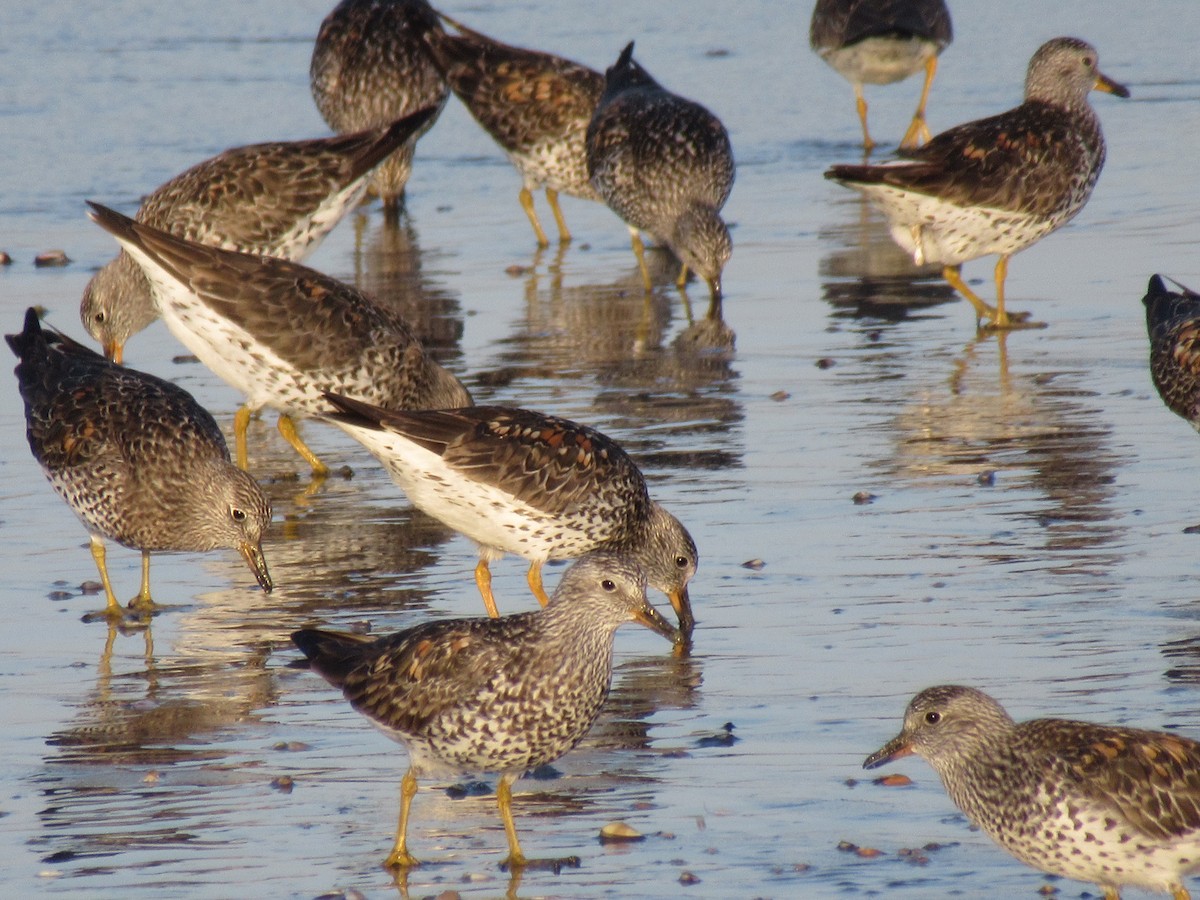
(253, 555)
(682, 604)
(653, 619)
(893, 749)
(1106, 84)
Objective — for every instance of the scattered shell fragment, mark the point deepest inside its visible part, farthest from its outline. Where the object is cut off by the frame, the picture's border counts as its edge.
(686, 878)
(861, 498)
(756, 564)
(620, 832)
(5, 259)
(283, 783)
(826, 362)
(780, 396)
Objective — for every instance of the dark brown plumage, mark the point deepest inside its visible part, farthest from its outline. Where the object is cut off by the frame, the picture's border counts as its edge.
(518, 481)
(277, 199)
(135, 457)
(369, 67)
(1173, 324)
(998, 185)
(491, 695)
(282, 333)
(881, 42)
(1113, 806)
(535, 105)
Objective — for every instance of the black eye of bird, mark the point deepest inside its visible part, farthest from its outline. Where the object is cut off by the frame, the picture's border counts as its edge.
(239, 515)
(933, 717)
(681, 562)
(99, 318)
(608, 584)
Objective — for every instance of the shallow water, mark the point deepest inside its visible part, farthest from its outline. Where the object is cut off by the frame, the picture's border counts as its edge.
(144, 765)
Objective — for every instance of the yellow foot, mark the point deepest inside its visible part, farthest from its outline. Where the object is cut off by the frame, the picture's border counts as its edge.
(1011, 322)
(400, 859)
(122, 617)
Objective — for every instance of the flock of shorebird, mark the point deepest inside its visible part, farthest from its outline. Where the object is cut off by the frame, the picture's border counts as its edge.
(216, 253)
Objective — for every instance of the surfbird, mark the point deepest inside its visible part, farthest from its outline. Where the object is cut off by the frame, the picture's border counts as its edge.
(281, 333)
(665, 166)
(536, 106)
(490, 695)
(369, 67)
(998, 185)
(136, 458)
(1113, 806)
(882, 42)
(1173, 323)
(521, 482)
(275, 199)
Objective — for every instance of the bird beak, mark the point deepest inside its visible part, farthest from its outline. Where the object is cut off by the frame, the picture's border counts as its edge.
(1106, 84)
(714, 289)
(893, 749)
(682, 604)
(115, 351)
(253, 555)
(653, 619)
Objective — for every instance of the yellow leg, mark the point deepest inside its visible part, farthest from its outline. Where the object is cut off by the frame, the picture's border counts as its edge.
(112, 607)
(1179, 892)
(534, 577)
(1001, 273)
(953, 274)
(681, 281)
(241, 421)
(918, 130)
(564, 233)
(288, 429)
(639, 251)
(483, 578)
(400, 858)
(142, 600)
(860, 103)
(527, 205)
(516, 859)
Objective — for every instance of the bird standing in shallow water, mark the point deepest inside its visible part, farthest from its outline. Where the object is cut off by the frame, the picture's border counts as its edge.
(518, 481)
(998, 185)
(1113, 806)
(536, 106)
(490, 695)
(277, 199)
(282, 333)
(882, 42)
(665, 166)
(369, 67)
(135, 457)
(1173, 324)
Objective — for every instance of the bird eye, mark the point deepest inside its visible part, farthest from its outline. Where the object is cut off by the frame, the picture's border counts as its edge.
(933, 717)
(239, 515)
(99, 317)
(681, 562)
(608, 584)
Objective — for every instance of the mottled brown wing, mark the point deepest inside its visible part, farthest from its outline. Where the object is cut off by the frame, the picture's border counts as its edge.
(839, 23)
(410, 678)
(1173, 325)
(1026, 159)
(552, 464)
(517, 95)
(1152, 778)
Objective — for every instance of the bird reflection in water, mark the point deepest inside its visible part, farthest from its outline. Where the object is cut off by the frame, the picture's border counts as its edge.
(867, 275)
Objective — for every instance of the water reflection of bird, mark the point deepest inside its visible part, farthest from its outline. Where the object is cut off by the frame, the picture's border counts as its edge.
(1114, 806)
(1173, 325)
(491, 695)
(370, 66)
(278, 199)
(882, 42)
(388, 267)
(868, 276)
(136, 458)
(665, 166)
(536, 106)
(517, 481)
(282, 333)
(998, 185)
(1035, 430)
